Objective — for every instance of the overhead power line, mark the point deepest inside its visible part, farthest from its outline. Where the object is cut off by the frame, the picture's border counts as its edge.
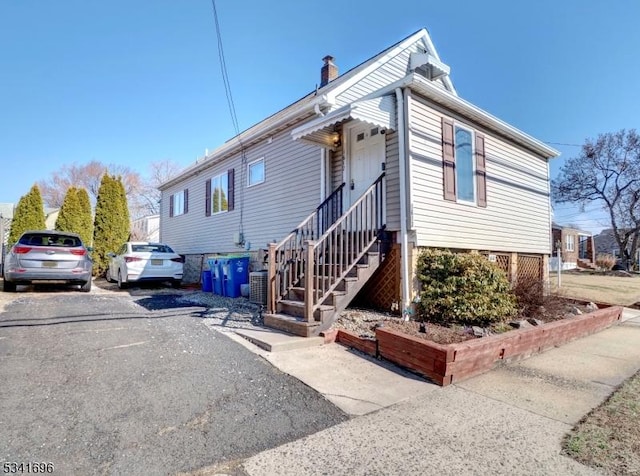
(232, 107)
(223, 69)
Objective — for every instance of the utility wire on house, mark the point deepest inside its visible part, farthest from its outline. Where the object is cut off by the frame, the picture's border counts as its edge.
(232, 112)
(225, 76)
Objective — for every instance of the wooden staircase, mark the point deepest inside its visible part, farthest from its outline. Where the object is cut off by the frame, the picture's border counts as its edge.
(316, 271)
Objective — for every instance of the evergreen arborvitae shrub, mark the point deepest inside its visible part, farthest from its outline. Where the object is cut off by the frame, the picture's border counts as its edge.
(75, 215)
(85, 221)
(28, 215)
(463, 288)
(111, 225)
(69, 214)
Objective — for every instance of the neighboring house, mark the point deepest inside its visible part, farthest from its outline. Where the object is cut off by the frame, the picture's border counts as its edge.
(576, 247)
(50, 218)
(605, 242)
(373, 166)
(6, 215)
(146, 228)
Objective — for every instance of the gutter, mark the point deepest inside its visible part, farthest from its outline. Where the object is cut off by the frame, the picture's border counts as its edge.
(417, 83)
(250, 136)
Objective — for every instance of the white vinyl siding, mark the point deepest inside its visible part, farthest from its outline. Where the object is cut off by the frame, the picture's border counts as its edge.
(336, 166)
(269, 212)
(386, 73)
(392, 178)
(517, 216)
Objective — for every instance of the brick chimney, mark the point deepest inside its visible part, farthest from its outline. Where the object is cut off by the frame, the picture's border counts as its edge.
(329, 71)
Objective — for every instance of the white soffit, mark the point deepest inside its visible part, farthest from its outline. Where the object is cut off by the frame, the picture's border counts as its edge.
(379, 112)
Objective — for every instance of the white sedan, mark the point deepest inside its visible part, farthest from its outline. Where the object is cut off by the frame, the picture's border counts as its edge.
(142, 261)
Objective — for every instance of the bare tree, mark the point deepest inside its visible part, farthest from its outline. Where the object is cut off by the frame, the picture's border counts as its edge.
(607, 172)
(86, 176)
(142, 192)
(158, 173)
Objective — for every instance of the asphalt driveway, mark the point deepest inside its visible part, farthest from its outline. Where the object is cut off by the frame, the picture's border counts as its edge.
(97, 384)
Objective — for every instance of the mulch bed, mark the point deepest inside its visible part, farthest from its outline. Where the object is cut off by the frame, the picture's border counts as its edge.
(363, 322)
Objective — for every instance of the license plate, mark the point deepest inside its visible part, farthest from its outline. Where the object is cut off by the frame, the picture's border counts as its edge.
(156, 262)
(49, 264)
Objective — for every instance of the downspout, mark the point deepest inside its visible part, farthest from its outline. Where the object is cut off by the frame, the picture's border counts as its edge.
(404, 242)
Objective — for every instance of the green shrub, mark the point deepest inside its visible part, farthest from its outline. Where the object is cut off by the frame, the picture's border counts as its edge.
(462, 288)
(111, 225)
(28, 215)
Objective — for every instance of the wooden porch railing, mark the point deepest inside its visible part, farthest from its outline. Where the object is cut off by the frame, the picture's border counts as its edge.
(344, 243)
(286, 259)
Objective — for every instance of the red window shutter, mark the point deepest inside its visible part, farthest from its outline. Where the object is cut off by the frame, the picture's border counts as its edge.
(186, 200)
(449, 160)
(207, 198)
(231, 190)
(170, 205)
(481, 171)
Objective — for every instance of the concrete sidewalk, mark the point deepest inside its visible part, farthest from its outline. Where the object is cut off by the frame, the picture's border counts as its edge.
(510, 420)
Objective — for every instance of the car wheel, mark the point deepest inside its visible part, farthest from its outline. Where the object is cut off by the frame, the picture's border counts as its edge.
(109, 278)
(121, 284)
(86, 287)
(9, 287)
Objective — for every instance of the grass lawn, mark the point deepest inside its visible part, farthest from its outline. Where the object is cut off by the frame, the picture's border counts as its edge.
(608, 438)
(623, 291)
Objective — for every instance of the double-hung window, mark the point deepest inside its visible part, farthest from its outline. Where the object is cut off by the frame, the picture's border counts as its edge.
(571, 242)
(179, 203)
(219, 193)
(465, 169)
(255, 172)
(464, 164)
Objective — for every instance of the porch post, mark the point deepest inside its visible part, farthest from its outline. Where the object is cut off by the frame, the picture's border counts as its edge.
(271, 288)
(309, 267)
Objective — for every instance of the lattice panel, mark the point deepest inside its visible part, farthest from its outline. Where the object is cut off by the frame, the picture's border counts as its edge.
(383, 289)
(529, 269)
(502, 261)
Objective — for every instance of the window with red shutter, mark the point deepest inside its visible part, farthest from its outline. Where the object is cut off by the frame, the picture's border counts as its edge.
(464, 164)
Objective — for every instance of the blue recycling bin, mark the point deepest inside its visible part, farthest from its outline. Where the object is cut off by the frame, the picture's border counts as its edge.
(206, 282)
(216, 275)
(235, 272)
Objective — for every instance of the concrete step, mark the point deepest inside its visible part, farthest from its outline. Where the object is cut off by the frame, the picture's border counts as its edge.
(276, 341)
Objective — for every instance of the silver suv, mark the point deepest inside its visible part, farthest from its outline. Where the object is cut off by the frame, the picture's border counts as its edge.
(48, 256)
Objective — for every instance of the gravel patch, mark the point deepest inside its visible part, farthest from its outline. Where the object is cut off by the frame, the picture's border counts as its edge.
(225, 312)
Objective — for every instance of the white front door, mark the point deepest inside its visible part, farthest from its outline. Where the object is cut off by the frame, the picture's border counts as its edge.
(366, 159)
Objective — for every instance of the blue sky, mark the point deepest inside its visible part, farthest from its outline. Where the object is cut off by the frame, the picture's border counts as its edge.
(134, 82)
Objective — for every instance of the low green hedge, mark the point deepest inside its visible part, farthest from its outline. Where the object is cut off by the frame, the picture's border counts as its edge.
(463, 288)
